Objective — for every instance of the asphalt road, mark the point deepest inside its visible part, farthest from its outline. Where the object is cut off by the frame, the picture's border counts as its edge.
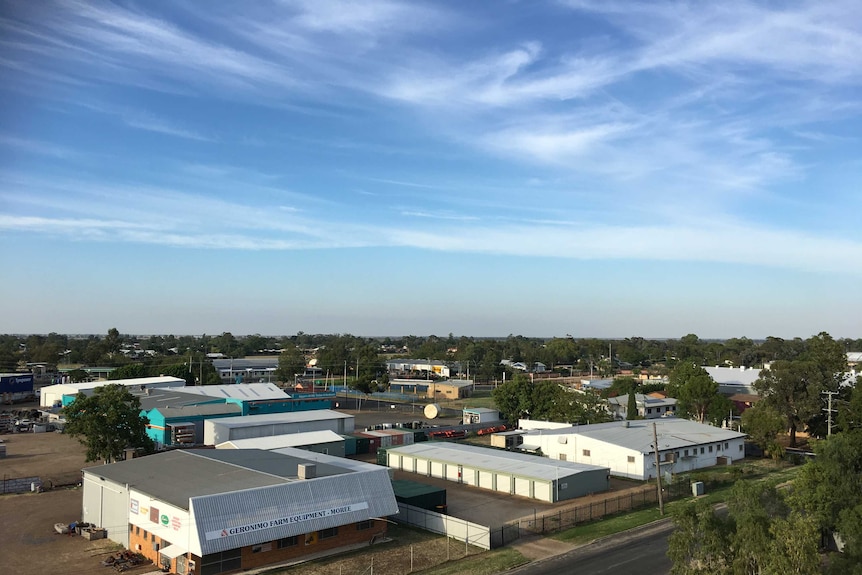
(642, 552)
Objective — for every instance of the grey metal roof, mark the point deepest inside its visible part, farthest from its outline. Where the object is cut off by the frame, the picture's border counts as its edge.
(641, 399)
(175, 476)
(168, 396)
(248, 391)
(171, 412)
(244, 363)
(672, 433)
(495, 460)
(271, 462)
(290, 417)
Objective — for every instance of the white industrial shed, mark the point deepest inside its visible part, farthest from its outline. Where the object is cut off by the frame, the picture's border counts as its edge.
(211, 511)
(244, 427)
(324, 441)
(626, 447)
(502, 471)
(53, 394)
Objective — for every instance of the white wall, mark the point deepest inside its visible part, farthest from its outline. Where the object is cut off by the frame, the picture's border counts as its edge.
(643, 467)
(177, 531)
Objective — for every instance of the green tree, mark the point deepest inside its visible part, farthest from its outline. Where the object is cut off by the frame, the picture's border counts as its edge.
(514, 398)
(107, 422)
(700, 544)
(793, 389)
(829, 490)
(130, 371)
(290, 362)
(763, 423)
(694, 389)
(371, 373)
(632, 406)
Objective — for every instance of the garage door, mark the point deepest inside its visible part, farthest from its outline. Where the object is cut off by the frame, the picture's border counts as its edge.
(542, 490)
(522, 486)
(504, 483)
(486, 480)
(408, 463)
(453, 472)
(470, 476)
(437, 470)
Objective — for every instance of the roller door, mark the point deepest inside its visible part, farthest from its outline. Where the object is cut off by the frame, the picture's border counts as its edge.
(470, 476)
(522, 487)
(486, 480)
(453, 472)
(437, 470)
(542, 490)
(504, 483)
(408, 464)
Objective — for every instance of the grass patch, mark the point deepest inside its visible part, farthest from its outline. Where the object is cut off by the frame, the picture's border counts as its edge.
(604, 527)
(487, 563)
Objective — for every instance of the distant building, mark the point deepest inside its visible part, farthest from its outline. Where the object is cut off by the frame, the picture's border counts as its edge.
(417, 368)
(648, 407)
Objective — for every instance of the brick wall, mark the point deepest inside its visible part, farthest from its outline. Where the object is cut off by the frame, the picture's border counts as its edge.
(310, 544)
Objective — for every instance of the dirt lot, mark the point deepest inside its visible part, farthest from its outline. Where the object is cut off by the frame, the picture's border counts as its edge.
(56, 458)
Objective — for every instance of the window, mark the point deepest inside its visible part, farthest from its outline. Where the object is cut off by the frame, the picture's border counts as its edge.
(631, 458)
(701, 450)
(649, 410)
(740, 447)
(718, 447)
(710, 449)
(685, 453)
(362, 525)
(152, 537)
(328, 533)
(726, 446)
(586, 452)
(288, 542)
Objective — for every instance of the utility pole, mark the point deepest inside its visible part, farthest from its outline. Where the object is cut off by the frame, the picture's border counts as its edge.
(657, 470)
(829, 411)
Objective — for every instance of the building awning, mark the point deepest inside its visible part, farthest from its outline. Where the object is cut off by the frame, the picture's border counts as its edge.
(172, 551)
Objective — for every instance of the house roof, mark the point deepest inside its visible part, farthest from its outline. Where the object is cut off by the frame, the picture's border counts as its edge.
(637, 435)
(642, 400)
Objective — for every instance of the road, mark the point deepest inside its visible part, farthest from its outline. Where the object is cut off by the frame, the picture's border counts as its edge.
(644, 552)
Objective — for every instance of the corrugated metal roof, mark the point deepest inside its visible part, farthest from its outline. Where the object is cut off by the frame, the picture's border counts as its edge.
(175, 476)
(168, 396)
(286, 440)
(495, 460)
(291, 417)
(672, 433)
(249, 391)
(170, 412)
(352, 464)
(290, 509)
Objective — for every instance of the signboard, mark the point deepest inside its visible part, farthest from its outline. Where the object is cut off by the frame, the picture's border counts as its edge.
(288, 520)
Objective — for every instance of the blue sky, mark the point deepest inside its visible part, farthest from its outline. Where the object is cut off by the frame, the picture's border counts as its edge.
(601, 168)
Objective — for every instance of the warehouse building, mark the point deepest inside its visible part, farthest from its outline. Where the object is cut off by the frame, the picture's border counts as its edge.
(502, 471)
(626, 447)
(215, 511)
(326, 442)
(63, 394)
(230, 428)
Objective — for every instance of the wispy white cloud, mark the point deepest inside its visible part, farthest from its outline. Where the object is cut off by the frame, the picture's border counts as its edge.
(37, 147)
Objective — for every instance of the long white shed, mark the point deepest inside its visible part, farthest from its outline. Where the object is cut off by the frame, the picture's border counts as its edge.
(502, 471)
(244, 427)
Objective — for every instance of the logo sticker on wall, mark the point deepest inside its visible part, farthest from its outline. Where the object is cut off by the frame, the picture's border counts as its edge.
(134, 506)
(165, 519)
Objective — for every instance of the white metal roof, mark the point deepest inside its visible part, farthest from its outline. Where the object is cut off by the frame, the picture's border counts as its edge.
(733, 375)
(495, 460)
(279, 441)
(164, 381)
(248, 391)
(637, 435)
(274, 418)
(537, 424)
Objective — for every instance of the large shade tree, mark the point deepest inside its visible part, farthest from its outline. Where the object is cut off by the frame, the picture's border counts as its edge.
(108, 422)
(694, 390)
(792, 388)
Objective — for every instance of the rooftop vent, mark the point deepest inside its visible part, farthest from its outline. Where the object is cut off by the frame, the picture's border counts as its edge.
(306, 471)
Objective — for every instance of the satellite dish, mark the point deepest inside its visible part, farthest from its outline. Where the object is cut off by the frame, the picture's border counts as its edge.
(312, 363)
(432, 410)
